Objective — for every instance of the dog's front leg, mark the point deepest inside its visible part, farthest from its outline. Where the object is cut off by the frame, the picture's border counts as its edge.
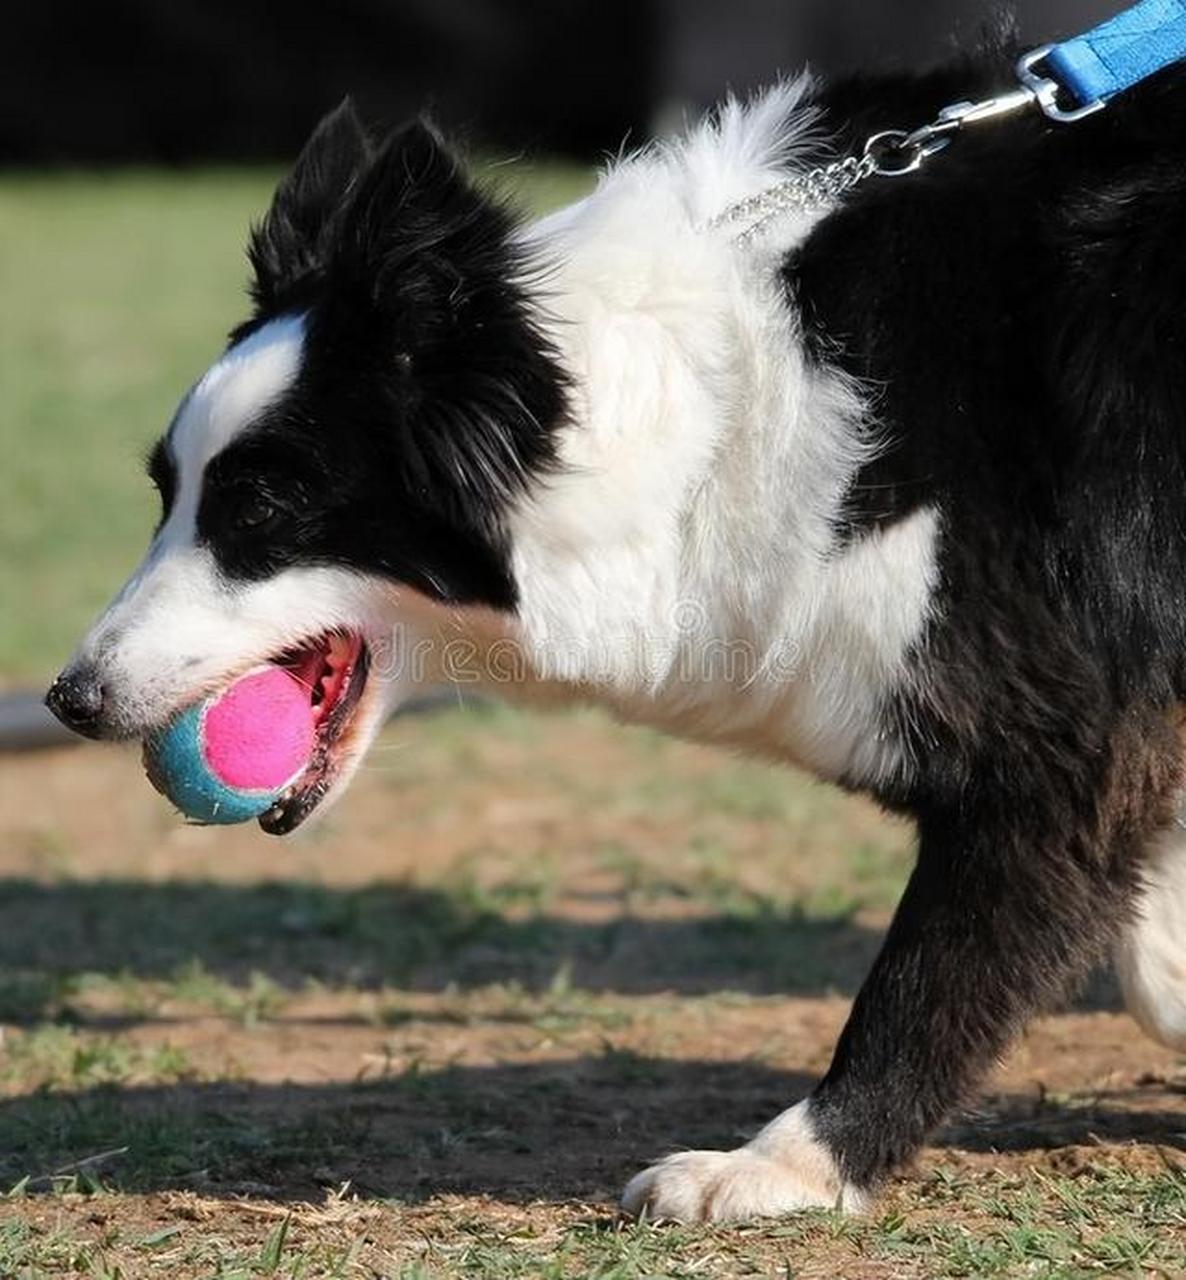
(999, 916)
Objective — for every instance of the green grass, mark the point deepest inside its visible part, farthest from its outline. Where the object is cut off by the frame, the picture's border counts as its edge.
(118, 291)
(1040, 1242)
(62, 1057)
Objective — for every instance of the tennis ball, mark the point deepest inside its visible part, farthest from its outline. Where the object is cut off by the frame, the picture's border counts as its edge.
(228, 758)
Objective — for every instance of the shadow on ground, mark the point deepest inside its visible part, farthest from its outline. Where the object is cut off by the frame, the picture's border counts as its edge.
(420, 939)
(292, 932)
(561, 1130)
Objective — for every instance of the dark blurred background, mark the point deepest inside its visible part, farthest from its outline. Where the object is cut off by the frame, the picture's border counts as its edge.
(181, 81)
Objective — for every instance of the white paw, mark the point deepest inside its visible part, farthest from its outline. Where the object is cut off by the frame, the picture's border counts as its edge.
(722, 1186)
(1151, 955)
(784, 1169)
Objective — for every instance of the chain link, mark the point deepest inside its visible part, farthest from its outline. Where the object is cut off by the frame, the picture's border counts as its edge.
(892, 153)
(811, 190)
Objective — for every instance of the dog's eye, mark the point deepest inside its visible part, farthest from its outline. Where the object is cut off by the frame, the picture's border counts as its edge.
(255, 512)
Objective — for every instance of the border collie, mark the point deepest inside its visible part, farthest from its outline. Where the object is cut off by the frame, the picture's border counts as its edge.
(920, 454)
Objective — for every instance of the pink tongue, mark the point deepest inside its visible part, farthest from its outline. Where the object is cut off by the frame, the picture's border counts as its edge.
(259, 734)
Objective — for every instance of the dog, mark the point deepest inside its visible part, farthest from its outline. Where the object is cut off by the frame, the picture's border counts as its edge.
(913, 460)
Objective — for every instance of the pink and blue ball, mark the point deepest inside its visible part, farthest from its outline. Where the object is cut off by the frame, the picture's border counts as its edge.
(229, 758)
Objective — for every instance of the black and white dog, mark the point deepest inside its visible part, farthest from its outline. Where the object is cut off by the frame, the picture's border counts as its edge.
(921, 454)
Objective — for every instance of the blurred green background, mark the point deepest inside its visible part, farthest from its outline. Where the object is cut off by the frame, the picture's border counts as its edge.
(117, 291)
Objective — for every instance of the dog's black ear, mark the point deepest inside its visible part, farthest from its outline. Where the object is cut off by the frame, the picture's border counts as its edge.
(419, 235)
(290, 242)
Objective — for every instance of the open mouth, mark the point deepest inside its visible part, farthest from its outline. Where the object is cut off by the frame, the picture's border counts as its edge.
(334, 670)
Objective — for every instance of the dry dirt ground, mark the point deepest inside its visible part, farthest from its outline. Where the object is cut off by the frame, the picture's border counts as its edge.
(435, 1035)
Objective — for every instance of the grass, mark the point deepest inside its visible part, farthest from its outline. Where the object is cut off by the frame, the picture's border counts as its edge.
(447, 1071)
(340, 1238)
(57, 1056)
(94, 355)
(128, 948)
(783, 896)
(246, 1035)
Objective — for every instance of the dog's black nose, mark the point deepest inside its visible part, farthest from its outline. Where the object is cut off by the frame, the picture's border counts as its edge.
(76, 698)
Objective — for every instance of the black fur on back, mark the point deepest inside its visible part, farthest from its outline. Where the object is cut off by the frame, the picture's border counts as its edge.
(1017, 306)
(1016, 311)
(427, 398)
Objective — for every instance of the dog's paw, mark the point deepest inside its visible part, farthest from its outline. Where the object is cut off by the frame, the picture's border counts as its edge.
(784, 1169)
(720, 1186)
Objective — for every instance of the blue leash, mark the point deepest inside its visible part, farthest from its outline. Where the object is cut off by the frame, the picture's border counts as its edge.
(1121, 52)
(1066, 81)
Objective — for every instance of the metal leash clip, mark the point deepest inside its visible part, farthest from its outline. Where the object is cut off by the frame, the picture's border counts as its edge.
(894, 152)
(1047, 92)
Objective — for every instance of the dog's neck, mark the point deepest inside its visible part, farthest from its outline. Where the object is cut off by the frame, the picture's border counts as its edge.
(690, 538)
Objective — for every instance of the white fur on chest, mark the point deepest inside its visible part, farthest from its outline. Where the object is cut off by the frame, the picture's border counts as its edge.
(833, 652)
(684, 565)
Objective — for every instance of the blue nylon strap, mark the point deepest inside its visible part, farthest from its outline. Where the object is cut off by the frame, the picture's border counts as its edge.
(1122, 51)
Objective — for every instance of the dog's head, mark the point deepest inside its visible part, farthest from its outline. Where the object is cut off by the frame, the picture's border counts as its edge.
(352, 454)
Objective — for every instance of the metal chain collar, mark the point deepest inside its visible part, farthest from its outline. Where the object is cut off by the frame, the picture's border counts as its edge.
(895, 152)
(811, 190)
